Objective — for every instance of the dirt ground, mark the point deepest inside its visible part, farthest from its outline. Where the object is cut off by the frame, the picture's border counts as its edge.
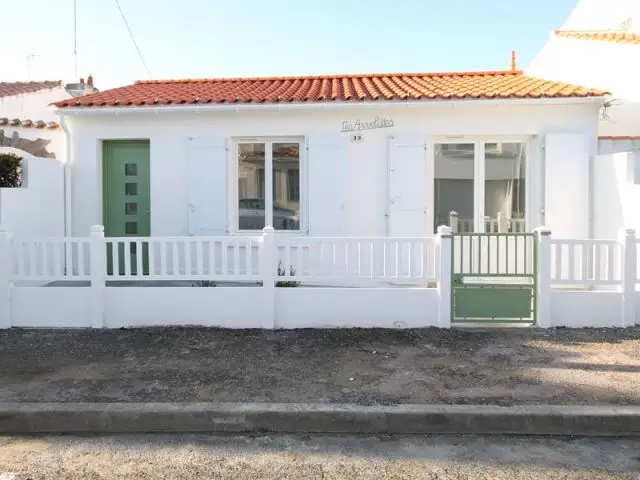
(371, 367)
(286, 457)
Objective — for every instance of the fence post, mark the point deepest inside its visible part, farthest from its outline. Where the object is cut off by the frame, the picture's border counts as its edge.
(503, 223)
(268, 265)
(444, 276)
(98, 272)
(6, 274)
(543, 280)
(628, 276)
(453, 222)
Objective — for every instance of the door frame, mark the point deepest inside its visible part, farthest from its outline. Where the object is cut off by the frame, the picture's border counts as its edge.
(478, 173)
(101, 172)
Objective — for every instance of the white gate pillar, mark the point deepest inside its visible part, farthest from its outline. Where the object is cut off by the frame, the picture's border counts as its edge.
(444, 249)
(98, 265)
(628, 276)
(543, 277)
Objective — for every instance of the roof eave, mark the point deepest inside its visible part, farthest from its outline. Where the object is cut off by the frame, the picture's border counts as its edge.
(221, 107)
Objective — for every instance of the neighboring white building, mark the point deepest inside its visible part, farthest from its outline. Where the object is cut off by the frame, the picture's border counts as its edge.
(29, 127)
(343, 155)
(599, 45)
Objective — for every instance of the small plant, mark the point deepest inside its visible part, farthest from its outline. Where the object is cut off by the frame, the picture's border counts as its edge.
(282, 272)
(205, 283)
(10, 170)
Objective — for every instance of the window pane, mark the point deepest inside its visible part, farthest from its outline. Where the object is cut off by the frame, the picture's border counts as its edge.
(130, 188)
(453, 186)
(286, 186)
(504, 187)
(130, 169)
(251, 198)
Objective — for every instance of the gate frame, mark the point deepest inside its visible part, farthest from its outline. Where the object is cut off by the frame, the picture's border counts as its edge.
(485, 282)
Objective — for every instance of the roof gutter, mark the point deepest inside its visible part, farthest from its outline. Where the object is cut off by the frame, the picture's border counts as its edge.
(327, 105)
(67, 177)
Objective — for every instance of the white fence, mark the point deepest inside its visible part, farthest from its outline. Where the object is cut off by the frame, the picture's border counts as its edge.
(395, 279)
(344, 282)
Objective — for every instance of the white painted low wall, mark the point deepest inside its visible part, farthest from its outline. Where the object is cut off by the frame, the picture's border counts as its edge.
(50, 307)
(226, 307)
(576, 309)
(356, 307)
(37, 208)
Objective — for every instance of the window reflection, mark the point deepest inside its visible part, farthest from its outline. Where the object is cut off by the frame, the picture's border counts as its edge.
(504, 187)
(286, 186)
(251, 172)
(453, 186)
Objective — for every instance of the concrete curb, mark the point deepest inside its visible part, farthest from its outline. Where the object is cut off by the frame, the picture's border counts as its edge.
(28, 418)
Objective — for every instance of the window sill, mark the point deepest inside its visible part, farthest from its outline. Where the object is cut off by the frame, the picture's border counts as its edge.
(257, 233)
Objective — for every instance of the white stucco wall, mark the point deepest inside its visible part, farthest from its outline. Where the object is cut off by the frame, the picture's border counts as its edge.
(33, 106)
(36, 209)
(366, 173)
(609, 66)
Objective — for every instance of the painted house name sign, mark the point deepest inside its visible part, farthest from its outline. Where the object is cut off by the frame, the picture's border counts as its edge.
(359, 125)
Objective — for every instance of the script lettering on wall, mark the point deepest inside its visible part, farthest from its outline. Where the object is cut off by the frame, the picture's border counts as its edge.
(359, 125)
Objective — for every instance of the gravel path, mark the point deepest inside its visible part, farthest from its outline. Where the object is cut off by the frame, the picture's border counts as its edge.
(562, 366)
(310, 458)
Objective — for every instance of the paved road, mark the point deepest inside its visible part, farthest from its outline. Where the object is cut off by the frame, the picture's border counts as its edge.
(317, 457)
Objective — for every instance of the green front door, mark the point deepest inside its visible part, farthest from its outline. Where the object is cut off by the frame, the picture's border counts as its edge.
(126, 197)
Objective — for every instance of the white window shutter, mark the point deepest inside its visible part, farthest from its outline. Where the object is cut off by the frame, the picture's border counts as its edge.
(328, 177)
(407, 186)
(207, 172)
(566, 185)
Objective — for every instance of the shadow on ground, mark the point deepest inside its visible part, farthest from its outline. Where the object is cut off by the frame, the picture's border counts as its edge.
(364, 366)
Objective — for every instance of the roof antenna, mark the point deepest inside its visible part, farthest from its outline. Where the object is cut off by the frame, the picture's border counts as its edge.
(513, 61)
(29, 58)
(75, 43)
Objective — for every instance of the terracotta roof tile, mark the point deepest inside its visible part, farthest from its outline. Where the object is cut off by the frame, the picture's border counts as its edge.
(603, 36)
(27, 123)
(619, 137)
(361, 87)
(8, 89)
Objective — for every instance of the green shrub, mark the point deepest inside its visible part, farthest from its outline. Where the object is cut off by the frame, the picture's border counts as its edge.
(10, 170)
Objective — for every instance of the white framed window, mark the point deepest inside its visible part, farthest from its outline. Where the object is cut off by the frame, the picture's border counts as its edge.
(481, 184)
(268, 188)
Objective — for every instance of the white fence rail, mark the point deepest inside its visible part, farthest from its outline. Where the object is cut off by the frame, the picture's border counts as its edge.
(51, 259)
(183, 258)
(357, 260)
(338, 261)
(586, 262)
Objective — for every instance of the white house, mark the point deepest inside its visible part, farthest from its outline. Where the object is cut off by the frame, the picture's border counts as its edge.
(335, 181)
(336, 155)
(599, 45)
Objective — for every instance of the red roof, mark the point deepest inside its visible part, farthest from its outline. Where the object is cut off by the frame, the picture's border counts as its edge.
(345, 88)
(27, 123)
(619, 137)
(8, 89)
(602, 36)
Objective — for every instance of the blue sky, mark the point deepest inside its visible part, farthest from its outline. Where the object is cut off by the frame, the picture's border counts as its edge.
(214, 38)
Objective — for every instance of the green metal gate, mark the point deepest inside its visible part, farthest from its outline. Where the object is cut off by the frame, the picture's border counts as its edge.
(493, 278)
